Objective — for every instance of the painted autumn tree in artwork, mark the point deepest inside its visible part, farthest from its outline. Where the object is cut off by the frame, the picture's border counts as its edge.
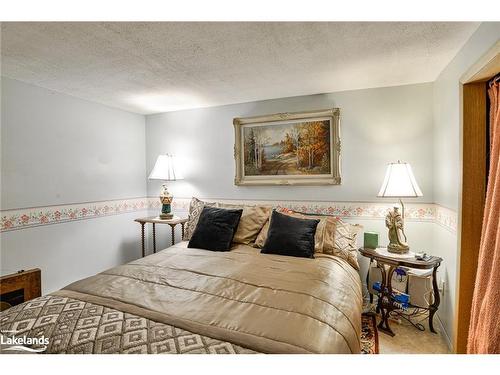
(288, 149)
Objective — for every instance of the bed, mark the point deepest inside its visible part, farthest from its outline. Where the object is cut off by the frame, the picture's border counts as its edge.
(185, 300)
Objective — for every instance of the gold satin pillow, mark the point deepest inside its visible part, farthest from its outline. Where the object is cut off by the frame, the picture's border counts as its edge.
(345, 242)
(323, 239)
(262, 236)
(251, 222)
(324, 230)
(339, 239)
(333, 236)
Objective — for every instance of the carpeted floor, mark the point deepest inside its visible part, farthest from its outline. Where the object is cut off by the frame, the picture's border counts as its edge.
(369, 334)
(408, 339)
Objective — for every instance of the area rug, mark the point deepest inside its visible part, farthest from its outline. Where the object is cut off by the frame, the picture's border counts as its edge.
(369, 334)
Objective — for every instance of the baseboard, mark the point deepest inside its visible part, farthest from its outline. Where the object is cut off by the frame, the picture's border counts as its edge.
(445, 334)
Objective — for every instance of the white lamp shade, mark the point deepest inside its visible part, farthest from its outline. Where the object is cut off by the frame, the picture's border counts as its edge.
(165, 169)
(399, 182)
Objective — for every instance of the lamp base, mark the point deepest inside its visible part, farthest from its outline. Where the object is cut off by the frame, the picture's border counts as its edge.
(166, 211)
(166, 200)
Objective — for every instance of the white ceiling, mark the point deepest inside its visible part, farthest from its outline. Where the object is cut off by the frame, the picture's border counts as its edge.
(163, 66)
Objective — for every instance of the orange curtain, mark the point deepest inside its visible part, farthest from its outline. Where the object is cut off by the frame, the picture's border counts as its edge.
(484, 329)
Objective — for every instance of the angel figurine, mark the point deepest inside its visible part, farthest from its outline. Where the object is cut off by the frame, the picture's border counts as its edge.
(397, 237)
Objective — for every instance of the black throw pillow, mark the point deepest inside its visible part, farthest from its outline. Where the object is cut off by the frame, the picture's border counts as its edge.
(290, 236)
(215, 229)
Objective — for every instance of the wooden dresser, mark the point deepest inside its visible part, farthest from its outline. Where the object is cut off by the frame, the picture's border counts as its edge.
(19, 287)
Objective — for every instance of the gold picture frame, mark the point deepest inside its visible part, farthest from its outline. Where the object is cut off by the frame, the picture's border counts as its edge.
(299, 148)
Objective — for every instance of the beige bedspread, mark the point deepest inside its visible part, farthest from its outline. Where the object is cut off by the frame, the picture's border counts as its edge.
(267, 303)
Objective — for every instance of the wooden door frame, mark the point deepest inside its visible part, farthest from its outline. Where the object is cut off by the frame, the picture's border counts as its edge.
(473, 200)
(474, 86)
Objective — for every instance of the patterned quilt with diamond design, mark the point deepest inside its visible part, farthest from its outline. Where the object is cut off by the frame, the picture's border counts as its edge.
(74, 326)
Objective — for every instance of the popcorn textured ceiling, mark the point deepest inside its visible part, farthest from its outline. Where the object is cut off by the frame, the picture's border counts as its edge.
(163, 66)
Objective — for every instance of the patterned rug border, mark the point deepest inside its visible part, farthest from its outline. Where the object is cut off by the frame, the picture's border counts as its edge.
(375, 331)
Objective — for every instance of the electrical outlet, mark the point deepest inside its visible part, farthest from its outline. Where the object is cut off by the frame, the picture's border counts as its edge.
(441, 287)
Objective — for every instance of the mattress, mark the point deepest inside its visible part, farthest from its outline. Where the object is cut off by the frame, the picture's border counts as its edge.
(183, 300)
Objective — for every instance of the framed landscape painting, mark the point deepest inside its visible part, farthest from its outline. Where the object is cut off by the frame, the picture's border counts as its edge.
(300, 148)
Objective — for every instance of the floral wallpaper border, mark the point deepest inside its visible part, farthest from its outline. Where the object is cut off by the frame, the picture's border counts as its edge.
(420, 211)
(446, 217)
(29, 217)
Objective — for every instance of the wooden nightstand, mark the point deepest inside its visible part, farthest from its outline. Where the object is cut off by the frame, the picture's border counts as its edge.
(20, 287)
(387, 265)
(156, 220)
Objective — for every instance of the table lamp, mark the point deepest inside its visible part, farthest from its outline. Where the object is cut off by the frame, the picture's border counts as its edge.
(399, 182)
(164, 169)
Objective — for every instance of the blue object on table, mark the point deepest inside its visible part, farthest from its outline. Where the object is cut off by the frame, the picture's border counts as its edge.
(402, 299)
(377, 286)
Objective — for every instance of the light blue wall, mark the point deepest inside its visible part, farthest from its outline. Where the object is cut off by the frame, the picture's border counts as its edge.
(377, 126)
(67, 252)
(447, 109)
(57, 149)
